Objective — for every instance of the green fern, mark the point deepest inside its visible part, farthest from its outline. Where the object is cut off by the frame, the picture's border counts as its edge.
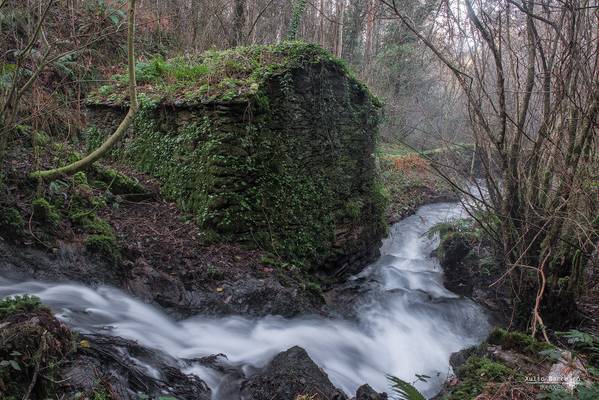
(405, 390)
(580, 339)
(584, 343)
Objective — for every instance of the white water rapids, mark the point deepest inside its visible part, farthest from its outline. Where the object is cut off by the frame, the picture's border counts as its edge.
(408, 324)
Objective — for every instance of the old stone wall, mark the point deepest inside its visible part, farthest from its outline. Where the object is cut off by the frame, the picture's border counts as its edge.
(289, 168)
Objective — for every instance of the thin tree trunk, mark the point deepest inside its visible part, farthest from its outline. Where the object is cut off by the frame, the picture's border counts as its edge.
(341, 12)
(369, 34)
(321, 23)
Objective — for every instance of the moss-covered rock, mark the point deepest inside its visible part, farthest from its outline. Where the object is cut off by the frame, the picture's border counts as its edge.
(45, 211)
(103, 244)
(118, 183)
(276, 152)
(460, 264)
(518, 341)
(479, 374)
(100, 234)
(75, 204)
(11, 222)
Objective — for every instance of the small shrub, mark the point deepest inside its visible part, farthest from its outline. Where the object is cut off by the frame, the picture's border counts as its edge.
(411, 162)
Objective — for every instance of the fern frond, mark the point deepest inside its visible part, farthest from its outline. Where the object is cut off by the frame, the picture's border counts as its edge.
(404, 390)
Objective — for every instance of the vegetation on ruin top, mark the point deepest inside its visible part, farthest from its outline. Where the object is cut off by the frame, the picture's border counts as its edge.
(233, 75)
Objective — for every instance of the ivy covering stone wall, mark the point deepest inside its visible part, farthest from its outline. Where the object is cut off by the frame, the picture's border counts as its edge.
(271, 146)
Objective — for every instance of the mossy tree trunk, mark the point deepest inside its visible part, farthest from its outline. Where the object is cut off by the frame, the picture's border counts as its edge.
(237, 35)
(123, 126)
(296, 18)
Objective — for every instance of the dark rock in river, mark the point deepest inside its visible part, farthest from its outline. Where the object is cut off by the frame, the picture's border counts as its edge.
(457, 359)
(129, 370)
(290, 374)
(365, 392)
(470, 270)
(457, 266)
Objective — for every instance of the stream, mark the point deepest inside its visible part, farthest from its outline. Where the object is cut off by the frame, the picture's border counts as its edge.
(407, 323)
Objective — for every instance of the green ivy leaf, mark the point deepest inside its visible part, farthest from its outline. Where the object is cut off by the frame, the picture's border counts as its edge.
(15, 365)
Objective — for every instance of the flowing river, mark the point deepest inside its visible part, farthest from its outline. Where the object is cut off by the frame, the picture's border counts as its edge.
(407, 323)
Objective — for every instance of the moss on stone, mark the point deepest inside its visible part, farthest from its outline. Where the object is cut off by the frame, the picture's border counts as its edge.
(11, 221)
(79, 178)
(518, 341)
(103, 244)
(82, 213)
(44, 211)
(98, 226)
(101, 237)
(475, 376)
(117, 182)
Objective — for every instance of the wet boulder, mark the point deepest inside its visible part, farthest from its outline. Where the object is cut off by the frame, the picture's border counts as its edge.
(128, 371)
(455, 257)
(365, 392)
(290, 374)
